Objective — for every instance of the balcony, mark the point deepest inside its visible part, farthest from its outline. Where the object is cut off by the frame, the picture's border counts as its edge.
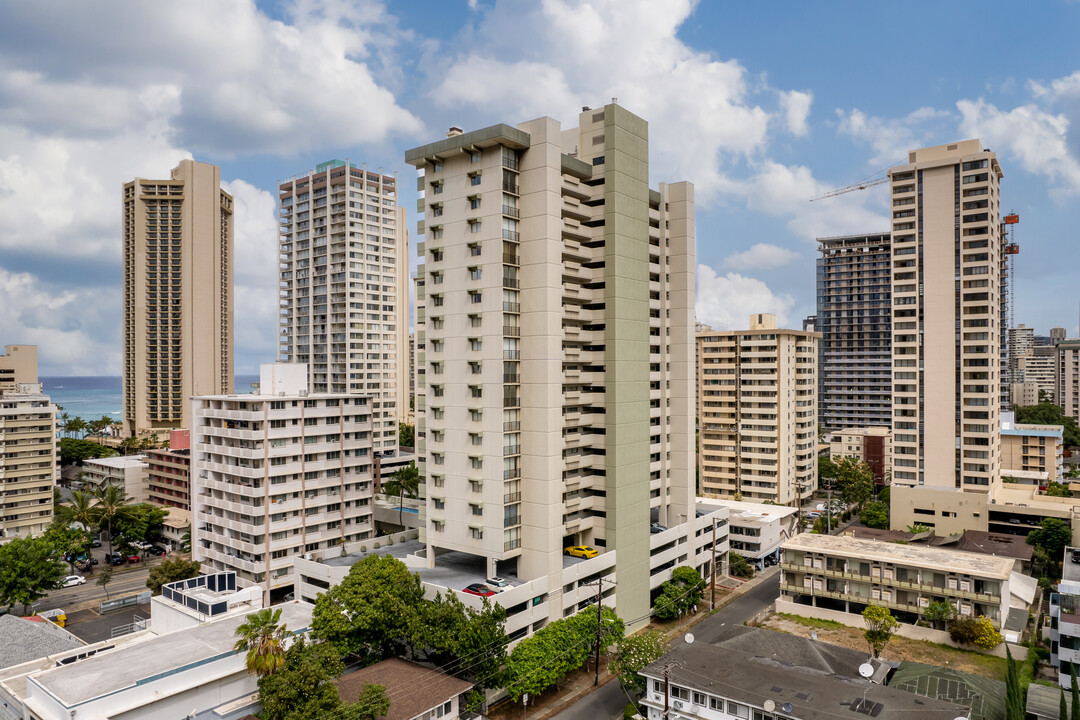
(511, 330)
(511, 211)
(510, 187)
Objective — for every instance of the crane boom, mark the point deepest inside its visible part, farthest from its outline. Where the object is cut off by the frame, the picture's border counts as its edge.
(851, 188)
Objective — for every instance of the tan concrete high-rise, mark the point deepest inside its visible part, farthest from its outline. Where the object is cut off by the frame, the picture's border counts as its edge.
(1067, 378)
(344, 282)
(28, 439)
(178, 296)
(554, 346)
(946, 290)
(757, 412)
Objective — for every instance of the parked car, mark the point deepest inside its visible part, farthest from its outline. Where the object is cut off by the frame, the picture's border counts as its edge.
(582, 551)
(95, 543)
(73, 580)
(656, 528)
(85, 566)
(479, 589)
(133, 558)
(497, 583)
(115, 559)
(1076, 556)
(156, 551)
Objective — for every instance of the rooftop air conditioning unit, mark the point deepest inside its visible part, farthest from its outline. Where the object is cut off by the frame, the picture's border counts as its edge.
(677, 704)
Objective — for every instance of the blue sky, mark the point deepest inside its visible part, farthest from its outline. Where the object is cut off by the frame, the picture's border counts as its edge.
(761, 105)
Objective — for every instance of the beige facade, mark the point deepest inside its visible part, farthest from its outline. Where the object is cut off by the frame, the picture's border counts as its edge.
(847, 574)
(757, 409)
(168, 478)
(1057, 334)
(1021, 343)
(872, 445)
(28, 438)
(1032, 454)
(278, 474)
(1024, 394)
(127, 472)
(1067, 378)
(946, 290)
(554, 357)
(178, 296)
(345, 288)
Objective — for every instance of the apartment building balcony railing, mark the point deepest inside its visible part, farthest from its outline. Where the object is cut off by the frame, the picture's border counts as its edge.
(510, 187)
(511, 211)
(900, 584)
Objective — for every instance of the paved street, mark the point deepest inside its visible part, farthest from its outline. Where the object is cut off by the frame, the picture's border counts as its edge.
(609, 700)
(126, 580)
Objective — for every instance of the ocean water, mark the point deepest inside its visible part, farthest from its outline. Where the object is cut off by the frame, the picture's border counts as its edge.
(93, 397)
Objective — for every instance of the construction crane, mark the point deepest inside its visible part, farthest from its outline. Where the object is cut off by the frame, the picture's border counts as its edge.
(1008, 227)
(869, 182)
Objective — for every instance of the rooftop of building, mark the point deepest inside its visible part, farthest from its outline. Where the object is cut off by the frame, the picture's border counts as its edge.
(964, 563)
(748, 513)
(156, 657)
(117, 462)
(813, 694)
(1031, 430)
(1044, 702)
(984, 697)
(976, 541)
(1070, 571)
(865, 431)
(798, 651)
(26, 640)
(177, 517)
(412, 688)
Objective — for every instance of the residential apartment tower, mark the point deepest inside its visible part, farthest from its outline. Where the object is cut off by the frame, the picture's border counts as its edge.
(28, 438)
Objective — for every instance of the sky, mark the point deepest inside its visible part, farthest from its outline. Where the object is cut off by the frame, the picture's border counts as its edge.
(760, 105)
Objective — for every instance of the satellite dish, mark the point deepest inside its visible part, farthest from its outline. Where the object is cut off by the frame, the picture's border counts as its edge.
(769, 705)
(689, 638)
(813, 634)
(866, 670)
(787, 707)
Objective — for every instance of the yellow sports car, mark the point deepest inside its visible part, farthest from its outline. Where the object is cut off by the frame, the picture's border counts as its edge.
(582, 551)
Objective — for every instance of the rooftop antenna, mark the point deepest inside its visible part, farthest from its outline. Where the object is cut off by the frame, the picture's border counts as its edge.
(867, 671)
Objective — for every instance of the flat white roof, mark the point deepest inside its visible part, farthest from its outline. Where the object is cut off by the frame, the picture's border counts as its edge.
(119, 462)
(933, 558)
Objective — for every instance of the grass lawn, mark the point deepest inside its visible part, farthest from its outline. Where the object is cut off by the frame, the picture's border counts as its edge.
(899, 648)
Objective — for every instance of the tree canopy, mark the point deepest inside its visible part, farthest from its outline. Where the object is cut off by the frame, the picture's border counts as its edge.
(262, 636)
(880, 626)
(1046, 413)
(875, 515)
(677, 595)
(1053, 536)
(633, 654)
(74, 451)
(170, 571)
(303, 687)
(29, 568)
(854, 480)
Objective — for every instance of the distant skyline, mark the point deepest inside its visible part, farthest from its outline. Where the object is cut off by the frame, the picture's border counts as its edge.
(761, 106)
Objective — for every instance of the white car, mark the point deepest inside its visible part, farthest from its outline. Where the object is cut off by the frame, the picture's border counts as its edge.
(497, 584)
(72, 580)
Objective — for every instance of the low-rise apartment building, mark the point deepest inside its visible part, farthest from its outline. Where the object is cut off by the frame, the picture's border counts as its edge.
(1031, 454)
(846, 574)
(277, 475)
(757, 410)
(872, 445)
(756, 530)
(168, 479)
(28, 469)
(1064, 630)
(127, 472)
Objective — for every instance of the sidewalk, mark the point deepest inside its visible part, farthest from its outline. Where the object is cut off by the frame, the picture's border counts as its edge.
(579, 683)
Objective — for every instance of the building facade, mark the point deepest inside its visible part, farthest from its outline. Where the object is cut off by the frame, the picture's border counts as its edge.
(1057, 334)
(1032, 454)
(757, 409)
(1067, 378)
(872, 445)
(947, 307)
(278, 474)
(127, 472)
(1021, 344)
(554, 353)
(854, 319)
(344, 282)
(28, 436)
(178, 296)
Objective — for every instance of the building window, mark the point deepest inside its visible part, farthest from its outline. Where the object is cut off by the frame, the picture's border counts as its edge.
(474, 227)
(474, 178)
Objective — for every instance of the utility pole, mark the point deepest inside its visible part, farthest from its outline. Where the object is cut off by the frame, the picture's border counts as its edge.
(667, 689)
(599, 619)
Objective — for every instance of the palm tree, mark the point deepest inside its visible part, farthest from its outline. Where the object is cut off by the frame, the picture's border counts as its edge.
(80, 509)
(111, 503)
(62, 421)
(106, 423)
(263, 640)
(77, 425)
(403, 481)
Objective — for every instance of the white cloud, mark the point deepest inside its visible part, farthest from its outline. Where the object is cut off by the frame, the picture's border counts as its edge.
(552, 57)
(761, 256)
(891, 138)
(76, 330)
(255, 273)
(1035, 137)
(785, 191)
(796, 108)
(726, 301)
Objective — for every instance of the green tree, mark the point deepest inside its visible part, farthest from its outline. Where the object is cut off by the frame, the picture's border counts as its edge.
(185, 539)
(303, 687)
(140, 523)
(854, 480)
(74, 451)
(1014, 694)
(963, 629)
(403, 481)
(821, 525)
(739, 566)
(1056, 489)
(171, 571)
(633, 654)
(445, 630)
(1074, 693)
(917, 528)
(1049, 414)
(1053, 536)
(940, 612)
(67, 541)
(76, 426)
(110, 503)
(875, 515)
(1063, 710)
(677, 595)
(373, 703)
(406, 435)
(826, 469)
(262, 636)
(369, 612)
(79, 510)
(29, 568)
(880, 626)
(104, 579)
